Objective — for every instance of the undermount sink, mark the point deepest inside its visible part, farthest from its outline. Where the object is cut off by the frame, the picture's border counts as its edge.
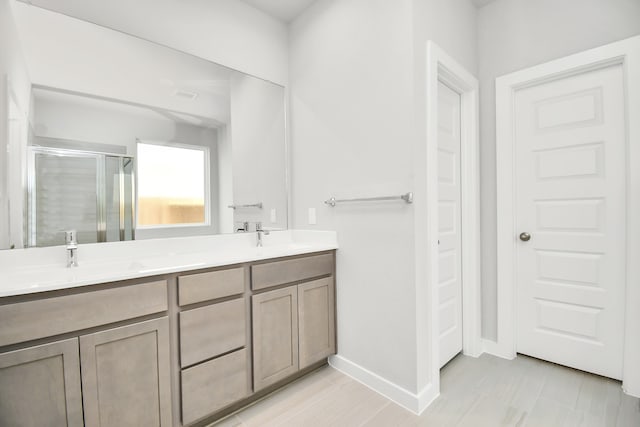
(26, 271)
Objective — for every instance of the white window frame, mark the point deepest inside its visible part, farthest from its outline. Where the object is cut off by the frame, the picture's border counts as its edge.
(207, 185)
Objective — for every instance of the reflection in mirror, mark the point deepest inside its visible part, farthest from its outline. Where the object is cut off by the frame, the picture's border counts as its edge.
(86, 191)
(127, 139)
(173, 185)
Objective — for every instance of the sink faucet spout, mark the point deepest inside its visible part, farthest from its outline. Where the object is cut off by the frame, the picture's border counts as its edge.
(71, 241)
(260, 232)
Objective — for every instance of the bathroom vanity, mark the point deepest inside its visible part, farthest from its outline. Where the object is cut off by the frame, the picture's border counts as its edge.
(183, 346)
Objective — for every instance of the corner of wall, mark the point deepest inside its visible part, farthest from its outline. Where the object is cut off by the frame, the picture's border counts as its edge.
(414, 402)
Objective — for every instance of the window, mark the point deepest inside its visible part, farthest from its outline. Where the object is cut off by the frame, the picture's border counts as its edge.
(172, 185)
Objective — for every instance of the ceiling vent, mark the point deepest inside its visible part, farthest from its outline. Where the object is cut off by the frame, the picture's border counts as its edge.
(185, 94)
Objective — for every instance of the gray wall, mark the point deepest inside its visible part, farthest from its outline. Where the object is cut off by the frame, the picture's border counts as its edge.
(357, 101)
(516, 34)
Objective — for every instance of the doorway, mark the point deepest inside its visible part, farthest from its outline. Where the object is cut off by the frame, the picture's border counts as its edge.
(567, 200)
(451, 273)
(449, 224)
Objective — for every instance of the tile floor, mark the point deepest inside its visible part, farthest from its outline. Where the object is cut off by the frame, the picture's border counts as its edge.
(487, 391)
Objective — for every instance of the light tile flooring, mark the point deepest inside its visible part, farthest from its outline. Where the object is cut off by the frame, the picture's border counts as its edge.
(487, 391)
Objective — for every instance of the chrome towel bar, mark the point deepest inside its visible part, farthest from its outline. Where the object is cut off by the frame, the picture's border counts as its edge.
(407, 197)
(253, 205)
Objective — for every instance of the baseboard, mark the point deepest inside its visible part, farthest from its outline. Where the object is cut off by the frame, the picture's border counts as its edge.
(415, 403)
(493, 348)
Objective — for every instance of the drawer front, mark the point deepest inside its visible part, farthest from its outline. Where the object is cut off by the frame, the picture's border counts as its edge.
(293, 270)
(42, 318)
(213, 385)
(207, 332)
(201, 287)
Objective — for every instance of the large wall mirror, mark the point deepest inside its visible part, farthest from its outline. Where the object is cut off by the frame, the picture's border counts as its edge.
(127, 139)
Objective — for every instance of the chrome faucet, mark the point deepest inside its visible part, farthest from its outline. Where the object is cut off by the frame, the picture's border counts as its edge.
(71, 240)
(260, 232)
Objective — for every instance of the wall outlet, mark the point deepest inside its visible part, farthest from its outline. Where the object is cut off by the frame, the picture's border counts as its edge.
(312, 216)
(274, 218)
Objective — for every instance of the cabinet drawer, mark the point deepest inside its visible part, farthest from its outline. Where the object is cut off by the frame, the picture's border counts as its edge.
(293, 270)
(41, 318)
(209, 331)
(200, 287)
(214, 385)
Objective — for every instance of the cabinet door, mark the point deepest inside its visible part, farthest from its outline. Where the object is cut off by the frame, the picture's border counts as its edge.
(316, 315)
(126, 375)
(40, 386)
(275, 336)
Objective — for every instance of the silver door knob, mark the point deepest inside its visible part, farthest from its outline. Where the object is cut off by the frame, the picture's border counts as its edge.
(525, 237)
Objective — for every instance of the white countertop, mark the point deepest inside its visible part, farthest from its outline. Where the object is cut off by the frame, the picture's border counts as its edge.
(25, 271)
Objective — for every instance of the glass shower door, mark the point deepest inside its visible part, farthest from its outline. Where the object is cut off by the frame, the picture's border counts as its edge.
(63, 197)
(92, 193)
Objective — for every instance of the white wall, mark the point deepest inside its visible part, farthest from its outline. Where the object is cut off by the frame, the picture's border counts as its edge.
(351, 127)
(515, 34)
(356, 115)
(452, 25)
(258, 151)
(229, 32)
(13, 67)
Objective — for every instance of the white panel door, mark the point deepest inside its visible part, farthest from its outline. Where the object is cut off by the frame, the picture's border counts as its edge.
(450, 246)
(570, 197)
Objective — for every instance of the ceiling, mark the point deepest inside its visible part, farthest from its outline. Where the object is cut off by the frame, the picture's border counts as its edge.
(284, 10)
(288, 10)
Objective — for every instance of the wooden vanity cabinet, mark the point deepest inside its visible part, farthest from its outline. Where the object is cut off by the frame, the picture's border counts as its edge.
(176, 350)
(103, 376)
(293, 326)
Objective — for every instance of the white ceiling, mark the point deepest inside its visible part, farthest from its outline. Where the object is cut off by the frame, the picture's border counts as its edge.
(284, 10)
(288, 10)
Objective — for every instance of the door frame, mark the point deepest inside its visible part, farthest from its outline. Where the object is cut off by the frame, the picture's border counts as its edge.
(626, 53)
(443, 68)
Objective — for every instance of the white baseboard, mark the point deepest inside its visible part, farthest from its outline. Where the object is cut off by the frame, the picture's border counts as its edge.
(415, 403)
(493, 348)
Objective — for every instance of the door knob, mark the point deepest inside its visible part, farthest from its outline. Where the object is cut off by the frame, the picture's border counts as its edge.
(525, 237)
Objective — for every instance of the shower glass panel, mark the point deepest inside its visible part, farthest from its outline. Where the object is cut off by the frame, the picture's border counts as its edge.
(83, 191)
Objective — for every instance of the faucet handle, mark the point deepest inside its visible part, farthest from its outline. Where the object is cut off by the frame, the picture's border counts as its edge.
(259, 228)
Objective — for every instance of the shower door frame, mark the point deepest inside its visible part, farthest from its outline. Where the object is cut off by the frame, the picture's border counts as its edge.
(101, 207)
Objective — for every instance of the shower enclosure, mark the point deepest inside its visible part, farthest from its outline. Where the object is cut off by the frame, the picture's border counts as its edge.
(91, 192)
